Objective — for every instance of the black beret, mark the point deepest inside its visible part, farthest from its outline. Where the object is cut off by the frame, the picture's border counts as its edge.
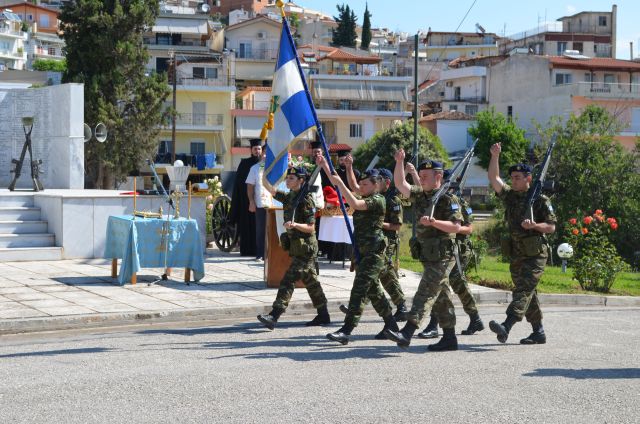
(298, 171)
(430, 164)
(368, 174)
(520, 167)
(385, 173)
(255, 142)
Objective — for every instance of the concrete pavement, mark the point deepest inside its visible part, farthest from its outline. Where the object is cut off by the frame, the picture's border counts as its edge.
(43, 296)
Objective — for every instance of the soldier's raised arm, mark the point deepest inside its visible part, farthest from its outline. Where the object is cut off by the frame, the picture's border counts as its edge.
(398, 174)
(494, 168)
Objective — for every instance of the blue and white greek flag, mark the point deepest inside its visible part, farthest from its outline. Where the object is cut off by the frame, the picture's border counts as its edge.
(293, 110)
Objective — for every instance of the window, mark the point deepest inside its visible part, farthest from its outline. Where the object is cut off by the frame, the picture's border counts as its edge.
(578, 46)
(198, 72)
(562, 79)
(163, 39)
(30, 18)
(588, 77)
(211, 73)
(197, 148)
(471, 109)
(510, 111)
(453, 108)
(344, 104)
(51, 51)
(602, 20)
(456, 93)
(44, 21)
(164, 147)
(244, 51)
(562, 46)
(355, 130)
(199, 110)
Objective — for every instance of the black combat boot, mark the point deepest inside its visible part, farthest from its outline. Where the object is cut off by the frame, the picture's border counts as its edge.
(342, 335)
(402, 337)
(502, 330)
(389, 323)
(344, 309)
(447, 342)
(322, 318)
(401, 312)
(537, 337)
(475, 325)
(431, 330)
(271, 318)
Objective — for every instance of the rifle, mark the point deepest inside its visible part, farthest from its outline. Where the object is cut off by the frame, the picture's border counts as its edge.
(538, 184)
(305, 188)
(457, 175)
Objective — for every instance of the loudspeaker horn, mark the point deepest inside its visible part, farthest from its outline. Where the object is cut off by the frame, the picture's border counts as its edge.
(87, 133)
(101, 132)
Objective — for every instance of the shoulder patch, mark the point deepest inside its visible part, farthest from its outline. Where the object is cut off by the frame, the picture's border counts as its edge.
(469, 211)
(454, 206)
(550, 207)
(396, 208)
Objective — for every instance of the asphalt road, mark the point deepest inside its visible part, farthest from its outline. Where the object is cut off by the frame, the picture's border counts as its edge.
(588, 372)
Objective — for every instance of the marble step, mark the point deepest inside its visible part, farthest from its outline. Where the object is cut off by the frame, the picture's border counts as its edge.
(27, 240)
(17, 254)
(23, 227)
(16, 201)
(19, 213)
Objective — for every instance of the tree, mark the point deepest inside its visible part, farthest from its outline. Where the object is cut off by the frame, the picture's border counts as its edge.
(345, 34)
(386, 142)
(294, 24)
(104, 50)
(492, 127)
(366, 29)
(593, 171)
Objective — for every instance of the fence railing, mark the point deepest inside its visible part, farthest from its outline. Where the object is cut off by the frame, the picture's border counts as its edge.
(208, 82)
(200, 119)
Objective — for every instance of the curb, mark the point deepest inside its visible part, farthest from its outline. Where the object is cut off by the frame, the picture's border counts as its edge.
(70, 322)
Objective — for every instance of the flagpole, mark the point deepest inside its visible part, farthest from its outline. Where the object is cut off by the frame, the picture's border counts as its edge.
(356, 252)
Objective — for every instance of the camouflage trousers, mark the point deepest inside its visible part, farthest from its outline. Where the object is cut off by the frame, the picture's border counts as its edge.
(434, 293)
(526, 272)
(389, 274)
(460, 287)
(300, 269)
(366, 286)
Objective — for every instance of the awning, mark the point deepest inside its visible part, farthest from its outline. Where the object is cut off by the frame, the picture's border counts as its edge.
(330, 90)
(249, 126)
(387, 92)
(180, 26)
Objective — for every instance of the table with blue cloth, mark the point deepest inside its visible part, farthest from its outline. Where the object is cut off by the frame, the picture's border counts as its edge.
(142, 242)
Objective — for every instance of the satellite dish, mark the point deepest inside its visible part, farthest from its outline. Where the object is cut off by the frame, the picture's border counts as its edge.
(87, 133)
(101, 132)
(204, 8)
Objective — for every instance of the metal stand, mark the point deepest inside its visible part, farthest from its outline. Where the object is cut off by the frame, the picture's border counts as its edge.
(35, 165)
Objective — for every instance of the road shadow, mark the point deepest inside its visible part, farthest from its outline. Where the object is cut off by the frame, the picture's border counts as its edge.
(59, 352)
(587, 373)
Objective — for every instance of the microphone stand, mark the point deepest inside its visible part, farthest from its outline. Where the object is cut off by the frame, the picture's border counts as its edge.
(167, 222)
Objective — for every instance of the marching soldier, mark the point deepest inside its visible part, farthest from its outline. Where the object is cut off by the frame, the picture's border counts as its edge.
(434, 246)
(390, 228)
(300, 241)
(527, 248)
(457, 280)
(368, 220)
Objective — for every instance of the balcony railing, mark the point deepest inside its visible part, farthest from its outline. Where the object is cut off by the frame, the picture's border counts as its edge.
(469, 99)
(257, 54)
(199, 119)
(186, 158)
(208, 82)
(606, 90)
(185, 43)
(9, 31)
(255, 105)
(359, 105)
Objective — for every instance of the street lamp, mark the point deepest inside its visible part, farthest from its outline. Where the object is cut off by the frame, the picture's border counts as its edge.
(27, 127)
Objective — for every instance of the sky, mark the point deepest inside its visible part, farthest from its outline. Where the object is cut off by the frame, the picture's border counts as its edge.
(497, 16)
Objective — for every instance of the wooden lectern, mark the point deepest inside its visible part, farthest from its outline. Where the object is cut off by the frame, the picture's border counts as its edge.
(278, 260)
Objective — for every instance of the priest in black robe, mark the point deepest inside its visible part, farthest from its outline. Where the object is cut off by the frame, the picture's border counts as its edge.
(239, 214)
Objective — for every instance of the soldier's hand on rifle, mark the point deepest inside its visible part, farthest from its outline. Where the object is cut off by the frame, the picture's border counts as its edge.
(496, 149)
(527, 224)
(409, 168)
(289, 225)
(399, 155)
(427, 221)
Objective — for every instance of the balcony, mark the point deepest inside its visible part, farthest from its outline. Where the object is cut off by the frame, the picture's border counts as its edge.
(602, 90)
(467, 99)
(466, 72)
(207, 82)
(198, 122)
(351, 105)
(257, 54)
(192, 45)
(4, 31)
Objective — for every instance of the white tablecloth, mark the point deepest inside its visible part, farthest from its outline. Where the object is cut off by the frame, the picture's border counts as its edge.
(334, 229)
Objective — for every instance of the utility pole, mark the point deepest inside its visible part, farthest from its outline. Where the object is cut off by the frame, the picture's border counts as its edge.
(415, 120)
(172, 55)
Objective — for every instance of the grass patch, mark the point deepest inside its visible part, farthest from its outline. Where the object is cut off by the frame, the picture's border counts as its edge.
(495, 274)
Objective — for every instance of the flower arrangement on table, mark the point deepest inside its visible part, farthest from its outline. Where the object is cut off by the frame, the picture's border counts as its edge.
(214, 191)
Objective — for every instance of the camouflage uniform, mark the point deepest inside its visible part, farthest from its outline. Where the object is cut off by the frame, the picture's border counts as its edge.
(389, 275)
(303, 252)
(371, 245)
(458, 282)
(528, 252)
(436, 255)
